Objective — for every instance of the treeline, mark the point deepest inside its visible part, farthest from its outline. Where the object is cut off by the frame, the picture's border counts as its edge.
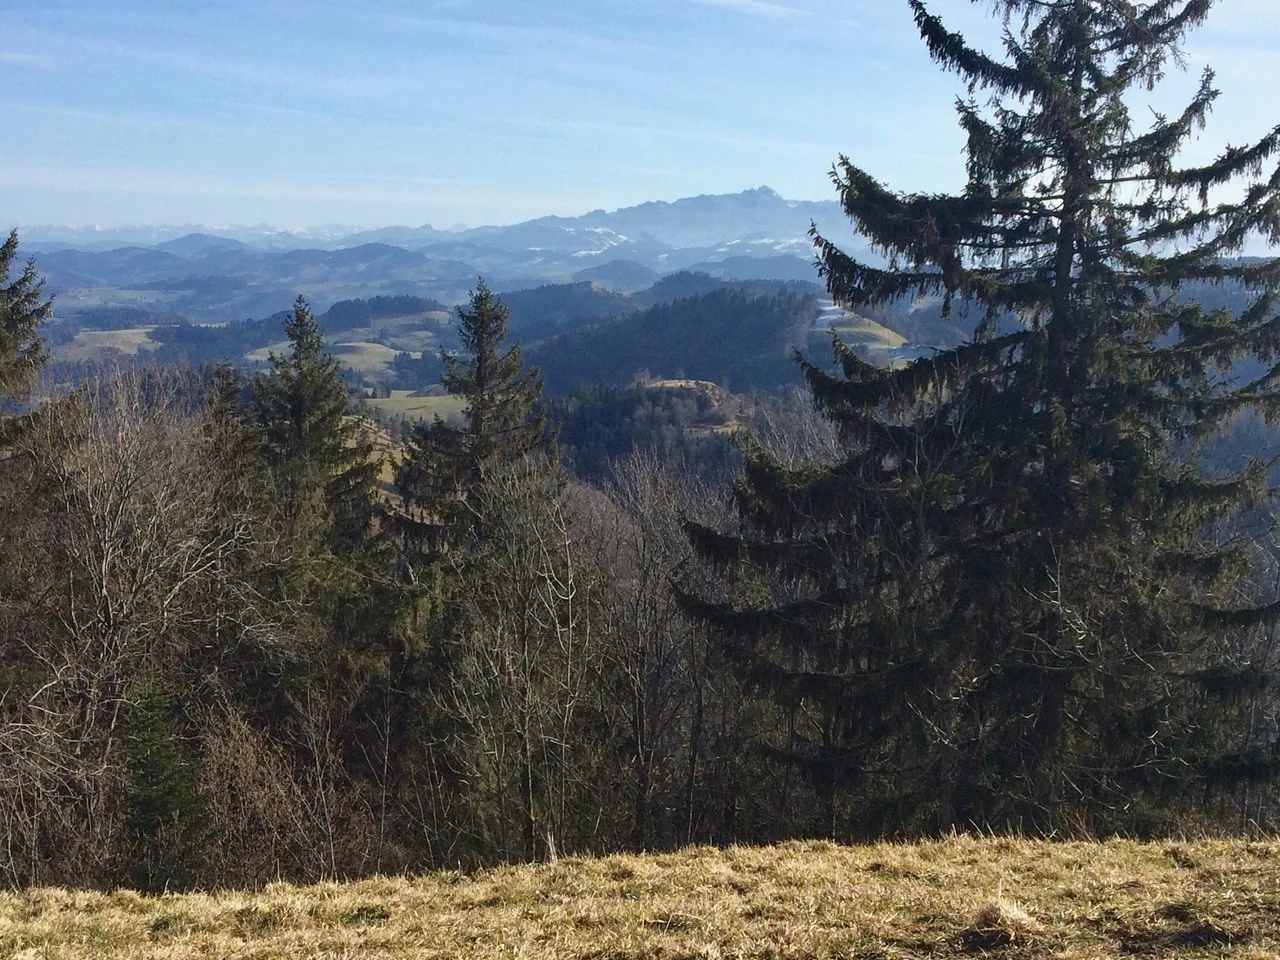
(184, 343)
(740, 338)
(690, 426)
(228, 658)
(999, 588)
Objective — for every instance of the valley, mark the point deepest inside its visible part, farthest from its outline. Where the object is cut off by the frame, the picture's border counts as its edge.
(582, 293)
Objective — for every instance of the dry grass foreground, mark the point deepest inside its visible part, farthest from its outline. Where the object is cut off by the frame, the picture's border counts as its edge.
(958, 897)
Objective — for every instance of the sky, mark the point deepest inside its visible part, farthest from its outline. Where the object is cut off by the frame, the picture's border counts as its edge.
(302, 113)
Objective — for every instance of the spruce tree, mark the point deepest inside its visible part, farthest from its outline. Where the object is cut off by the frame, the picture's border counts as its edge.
(163, 814)
(455, 484)
(321, 463)
(23, 307)
(446, 467)
(1006, 602)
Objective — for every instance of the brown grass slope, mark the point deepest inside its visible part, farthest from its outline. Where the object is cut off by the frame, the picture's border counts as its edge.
(960, 897)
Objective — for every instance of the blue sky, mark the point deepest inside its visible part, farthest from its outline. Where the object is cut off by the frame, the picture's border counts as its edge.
(377, 112)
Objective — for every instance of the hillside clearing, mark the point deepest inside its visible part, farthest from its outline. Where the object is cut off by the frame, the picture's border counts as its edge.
(90, 344)
(404, 403)
(280, 348)
(371, 359)
(856, 329)
(958, 897)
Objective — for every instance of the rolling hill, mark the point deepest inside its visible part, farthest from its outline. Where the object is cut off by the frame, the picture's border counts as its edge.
(227, 274)
(732, 336)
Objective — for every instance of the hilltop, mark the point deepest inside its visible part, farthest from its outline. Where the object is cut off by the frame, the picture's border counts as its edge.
(219, 275)
(816, 900)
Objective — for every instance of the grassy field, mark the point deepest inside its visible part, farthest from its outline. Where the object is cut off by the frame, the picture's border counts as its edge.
(280, 348)
(874, 340)
(371, 359)
(817, 901)
(89, 344)
(412, 332)
(402, 402)
(862, 330)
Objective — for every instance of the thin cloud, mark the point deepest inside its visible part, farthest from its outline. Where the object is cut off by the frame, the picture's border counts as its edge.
(75, 176)
(754, 8)
(37, 61)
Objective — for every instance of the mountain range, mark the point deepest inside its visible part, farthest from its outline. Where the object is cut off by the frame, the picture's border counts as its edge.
(214, 276)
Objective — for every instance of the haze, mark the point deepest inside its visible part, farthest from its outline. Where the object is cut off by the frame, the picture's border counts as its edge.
(302, 114)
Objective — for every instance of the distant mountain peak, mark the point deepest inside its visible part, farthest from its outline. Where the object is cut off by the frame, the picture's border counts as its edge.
(754, 232)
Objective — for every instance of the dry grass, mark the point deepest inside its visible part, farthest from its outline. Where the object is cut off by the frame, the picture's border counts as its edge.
(816, 901)
(874, 341)
(280, 348)
(368, 358)
(372, 359)
(855, 330)
(1001, 923)
(90, 344)
(403, 402)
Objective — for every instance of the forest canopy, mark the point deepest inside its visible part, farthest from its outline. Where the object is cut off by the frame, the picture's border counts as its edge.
(665, 575)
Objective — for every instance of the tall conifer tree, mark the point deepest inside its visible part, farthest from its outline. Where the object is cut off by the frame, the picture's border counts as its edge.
(323, 467)
(455, 483)
(23, 307)
(446, 467)
(319, 469)
(1003, 604)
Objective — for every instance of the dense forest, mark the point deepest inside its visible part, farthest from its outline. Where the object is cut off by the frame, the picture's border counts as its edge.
(1025, 583)
(732, 337)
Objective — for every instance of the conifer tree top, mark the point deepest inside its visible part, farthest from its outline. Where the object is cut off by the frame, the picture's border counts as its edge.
(23, 307)
(1005, 599)
(1055, 153)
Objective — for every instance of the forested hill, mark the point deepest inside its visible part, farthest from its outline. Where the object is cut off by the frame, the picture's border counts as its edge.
(551, 309)
(193, 343)
(735, 337)
(552, 304)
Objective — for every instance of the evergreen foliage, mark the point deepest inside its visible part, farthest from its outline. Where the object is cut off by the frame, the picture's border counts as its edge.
(740, 337)
(1004, 603)
(598, 427)
(225, 401)
(23, 308)
(553, 308)
(446, 466)
(163, 813)
(321, 464)
(465, 488)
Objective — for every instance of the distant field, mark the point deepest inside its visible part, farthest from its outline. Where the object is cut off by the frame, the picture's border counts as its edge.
(263, 354)
(84, 298)
(89, 344)
(412, 333)
(403, 403)
(359, 350)
(860, 329)
(958, 897)
(870, 339)
(369, 358)
(671, 384)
